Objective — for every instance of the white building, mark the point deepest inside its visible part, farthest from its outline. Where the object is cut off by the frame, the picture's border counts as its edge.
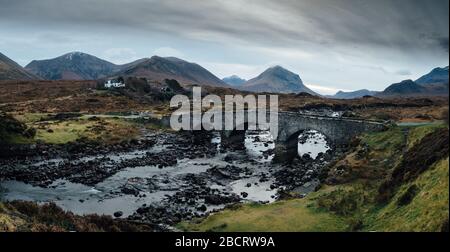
(114, 84)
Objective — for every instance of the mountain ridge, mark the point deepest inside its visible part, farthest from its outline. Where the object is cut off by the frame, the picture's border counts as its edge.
(409, 88)
(159, 68)
(437, 75)
(353, 94)
(72, 66)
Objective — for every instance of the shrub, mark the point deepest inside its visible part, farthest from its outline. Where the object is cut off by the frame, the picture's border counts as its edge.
(343, 202)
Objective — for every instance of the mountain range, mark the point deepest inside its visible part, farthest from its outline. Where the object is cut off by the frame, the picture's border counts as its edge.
(435, 83)
(353, 94)
(10, 70)
(82, 66)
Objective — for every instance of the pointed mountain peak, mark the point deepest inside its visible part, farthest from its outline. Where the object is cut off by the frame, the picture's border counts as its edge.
(279, 80)
(72, 55)
(278, 68)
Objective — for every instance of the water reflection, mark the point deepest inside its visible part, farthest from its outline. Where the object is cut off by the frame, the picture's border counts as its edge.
(312, 143)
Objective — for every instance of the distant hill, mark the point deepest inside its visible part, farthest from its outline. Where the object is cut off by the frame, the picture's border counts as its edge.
(411, 88)
(158, 69)
(72, 66)
(437, 75)
(354, 94)
(405, 87)
(10, 70)
(435, 83)
(278, 80)
(234, 81)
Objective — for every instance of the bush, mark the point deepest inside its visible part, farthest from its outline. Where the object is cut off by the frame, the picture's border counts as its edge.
(355, 224)
(51, 218)
(343, 202)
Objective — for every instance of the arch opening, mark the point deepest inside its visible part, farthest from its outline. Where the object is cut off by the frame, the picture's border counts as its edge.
(307, 144)
(258, 144)
(313, 144)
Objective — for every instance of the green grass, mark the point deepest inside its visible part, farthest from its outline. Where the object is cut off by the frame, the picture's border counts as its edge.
(108, 130)
(426, 212)
(417, 133)
(28, 118)
(387, 142)
(62, 132)
(292, 215)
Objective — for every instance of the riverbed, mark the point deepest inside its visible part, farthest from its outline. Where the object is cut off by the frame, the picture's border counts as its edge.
(195, 186)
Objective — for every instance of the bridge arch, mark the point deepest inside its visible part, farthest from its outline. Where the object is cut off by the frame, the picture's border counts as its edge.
(339, 131)
(236, 138)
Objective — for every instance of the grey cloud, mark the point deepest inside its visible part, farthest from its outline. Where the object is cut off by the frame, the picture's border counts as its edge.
(403, 72)
(398, 24)
(444, 43)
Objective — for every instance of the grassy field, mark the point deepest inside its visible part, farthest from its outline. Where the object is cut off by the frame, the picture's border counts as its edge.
(107, 130)
(104, 130)
(352, 206)
(293, 215)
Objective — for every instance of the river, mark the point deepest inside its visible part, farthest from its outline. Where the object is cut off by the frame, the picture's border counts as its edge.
(250, 179)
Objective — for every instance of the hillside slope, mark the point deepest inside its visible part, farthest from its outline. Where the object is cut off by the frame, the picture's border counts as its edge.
(10, 70)
(437, 75)
(409, 88)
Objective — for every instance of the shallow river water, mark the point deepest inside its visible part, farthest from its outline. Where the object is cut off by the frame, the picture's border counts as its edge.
(155, 184)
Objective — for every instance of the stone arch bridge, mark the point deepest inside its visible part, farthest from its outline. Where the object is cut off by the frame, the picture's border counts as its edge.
(338, 130)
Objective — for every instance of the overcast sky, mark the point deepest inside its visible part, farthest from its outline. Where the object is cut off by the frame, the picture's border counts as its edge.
(332, 44)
